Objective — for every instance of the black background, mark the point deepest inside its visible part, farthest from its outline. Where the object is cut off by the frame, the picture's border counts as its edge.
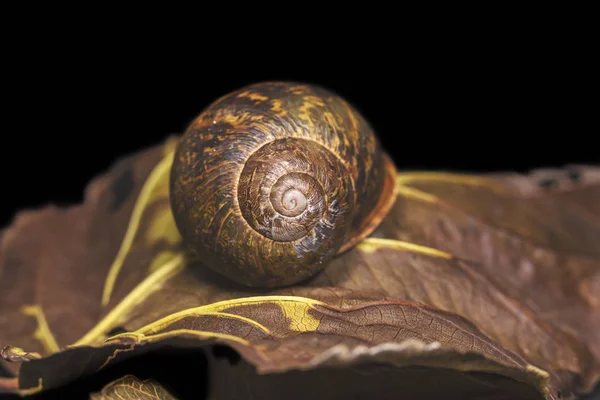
(72, 111)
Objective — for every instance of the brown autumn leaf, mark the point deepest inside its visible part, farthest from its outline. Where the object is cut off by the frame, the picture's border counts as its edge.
(54, 262)
(131, 388)
(377, 270)
(278, 334)
(537, 244)
(153, 281)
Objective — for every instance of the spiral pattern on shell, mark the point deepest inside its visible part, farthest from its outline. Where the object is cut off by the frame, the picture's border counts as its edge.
(272, 181)
(284, 194)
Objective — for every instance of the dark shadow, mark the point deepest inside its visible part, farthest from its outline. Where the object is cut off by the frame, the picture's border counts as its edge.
(183, 372)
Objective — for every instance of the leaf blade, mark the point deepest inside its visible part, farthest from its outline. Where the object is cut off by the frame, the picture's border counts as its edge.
(130, 387)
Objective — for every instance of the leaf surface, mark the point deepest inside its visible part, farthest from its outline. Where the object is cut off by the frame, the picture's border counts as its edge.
(54, 261)
(537, 244)
(284, 333)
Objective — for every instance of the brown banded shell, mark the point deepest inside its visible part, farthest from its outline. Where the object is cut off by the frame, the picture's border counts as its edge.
(273, 180)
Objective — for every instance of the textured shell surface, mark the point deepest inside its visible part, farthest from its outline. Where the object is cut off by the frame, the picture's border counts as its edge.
(271, 181)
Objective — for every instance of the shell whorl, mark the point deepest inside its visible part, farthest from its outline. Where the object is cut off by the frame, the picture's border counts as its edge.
(291, 188)
(265, 182)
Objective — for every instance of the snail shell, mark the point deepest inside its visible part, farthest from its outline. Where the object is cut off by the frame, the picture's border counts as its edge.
(273, 180)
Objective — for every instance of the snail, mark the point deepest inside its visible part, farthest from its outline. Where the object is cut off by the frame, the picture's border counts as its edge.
(273, 180)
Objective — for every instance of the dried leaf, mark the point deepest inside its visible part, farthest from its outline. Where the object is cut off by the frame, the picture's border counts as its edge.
(378, 270)
(281, 333)
(476, 280)
(54, 262)
(152, 207)
(15, 354)
(130, 387)
(538, 246)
